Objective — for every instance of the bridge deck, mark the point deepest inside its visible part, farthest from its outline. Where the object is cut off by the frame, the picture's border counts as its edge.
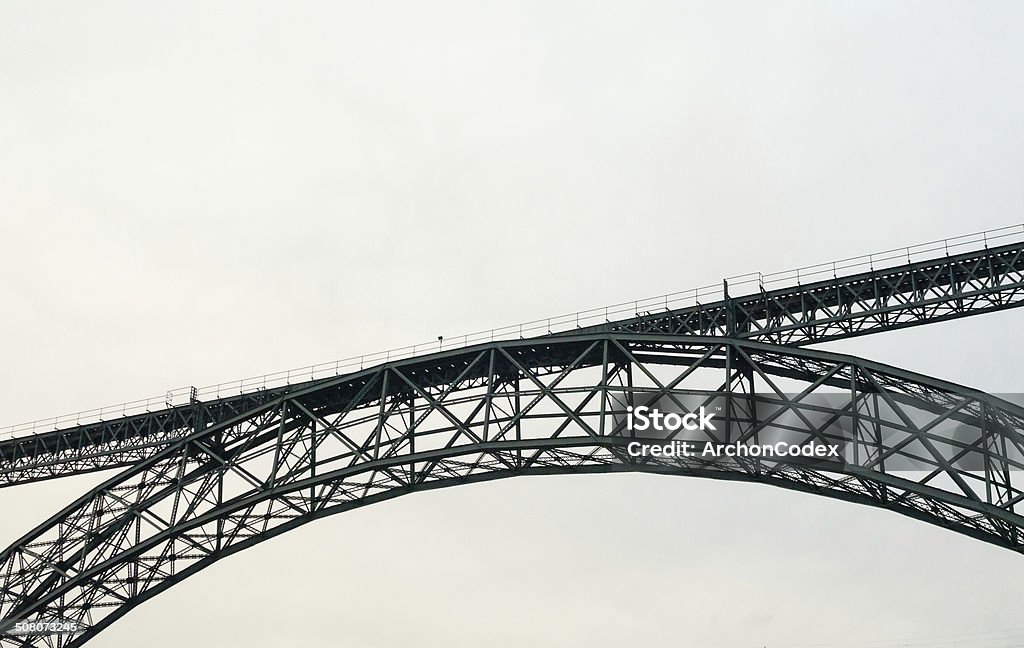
(936, 289)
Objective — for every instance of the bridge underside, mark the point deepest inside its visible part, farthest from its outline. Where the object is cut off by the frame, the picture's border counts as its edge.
(935, 451)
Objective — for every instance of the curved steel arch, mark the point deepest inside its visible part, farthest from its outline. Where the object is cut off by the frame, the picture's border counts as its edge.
(926, 448)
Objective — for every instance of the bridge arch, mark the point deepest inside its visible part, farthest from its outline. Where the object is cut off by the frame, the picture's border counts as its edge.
(926, 448)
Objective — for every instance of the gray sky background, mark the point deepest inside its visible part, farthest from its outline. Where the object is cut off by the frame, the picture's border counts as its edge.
(196, 192)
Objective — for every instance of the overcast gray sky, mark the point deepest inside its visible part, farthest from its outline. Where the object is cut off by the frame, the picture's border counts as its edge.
(199, 191)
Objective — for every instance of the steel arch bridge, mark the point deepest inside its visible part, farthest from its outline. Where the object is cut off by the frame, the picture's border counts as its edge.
(201, 481)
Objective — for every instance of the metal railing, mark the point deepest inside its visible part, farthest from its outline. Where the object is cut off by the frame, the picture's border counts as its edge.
(738, 285)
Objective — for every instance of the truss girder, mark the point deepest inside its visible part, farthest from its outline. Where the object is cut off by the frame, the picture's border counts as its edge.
(941, 289)
(118, 442)
(509, 409)
(916, 293)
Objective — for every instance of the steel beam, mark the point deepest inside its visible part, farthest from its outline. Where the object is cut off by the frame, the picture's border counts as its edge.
(918, 293)
(940, 289)
(935, 451)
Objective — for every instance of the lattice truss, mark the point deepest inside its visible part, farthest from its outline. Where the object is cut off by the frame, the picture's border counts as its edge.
(123, 441)
(929, 449)
(966, 284)
(946, 288)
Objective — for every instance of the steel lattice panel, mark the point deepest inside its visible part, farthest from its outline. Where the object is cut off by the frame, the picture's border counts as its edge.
(506, 409)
